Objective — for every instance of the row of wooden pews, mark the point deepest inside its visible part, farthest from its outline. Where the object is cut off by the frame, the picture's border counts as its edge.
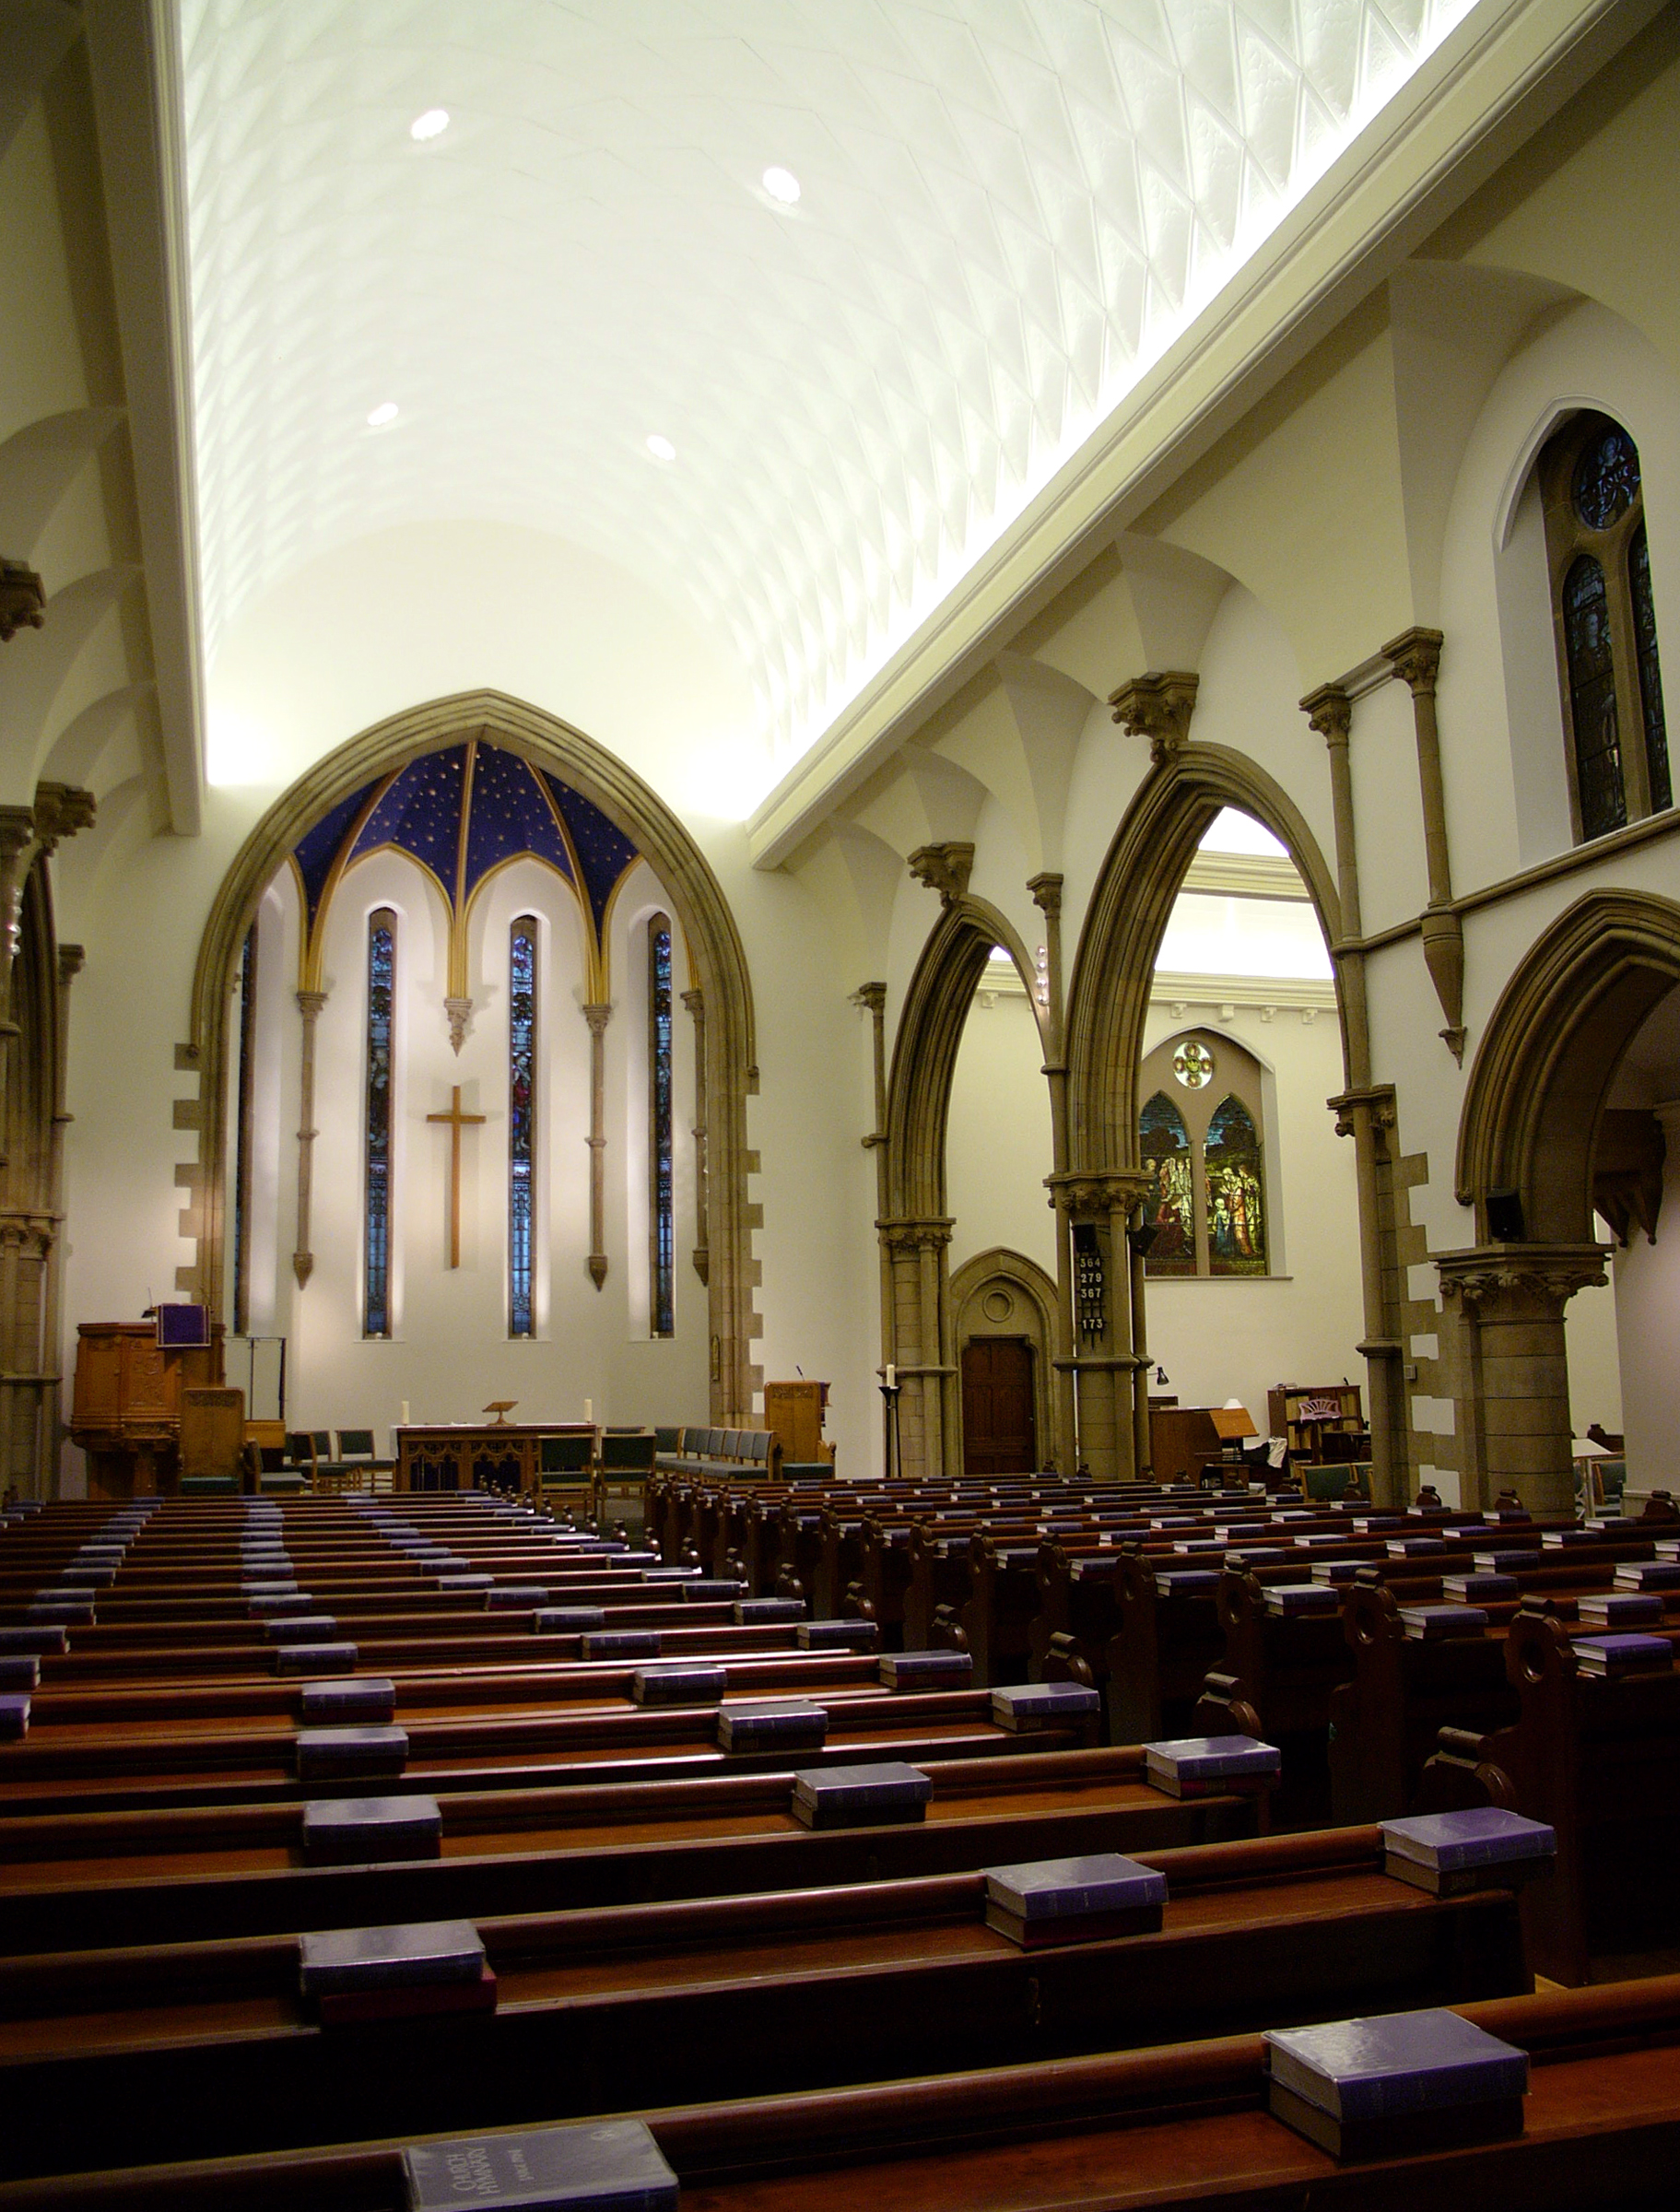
(723, 1878)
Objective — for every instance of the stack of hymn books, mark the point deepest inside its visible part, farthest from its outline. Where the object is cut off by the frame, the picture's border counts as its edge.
(1211, 1766)
(1482, 1847)
(1401, 2082)
(782, 1725)
(1648, 1574)
(1479, 1589)
(1620, 1608)
(1625, 1654)
(1073, 1901)
(874, 1796)
(1293, 1599)
(1430, 1624)
(600, 2166)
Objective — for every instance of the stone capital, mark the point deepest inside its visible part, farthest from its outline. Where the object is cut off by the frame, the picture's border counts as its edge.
(695, 1000)
(1514, 1282)
(1046, 891)
(944, 868)
(1330, 712)
(929, 1234)
(598, 1017)
(309, 1003)
(23, 600)
(1414, 657)
(60, 809)
(71, 960)
(1157, 705)
(1095, 1195)
(871, 996)
(1375, 1105)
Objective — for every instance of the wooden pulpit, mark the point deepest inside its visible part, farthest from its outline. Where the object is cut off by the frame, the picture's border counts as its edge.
(794, 1412)
(126, 1413)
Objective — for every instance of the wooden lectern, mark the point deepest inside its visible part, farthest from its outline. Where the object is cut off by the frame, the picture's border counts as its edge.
(126, 1413)
(794, 1412)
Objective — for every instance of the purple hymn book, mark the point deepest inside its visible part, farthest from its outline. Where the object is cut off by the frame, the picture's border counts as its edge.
(604, 2166)
(1399, 2081)
(1028, 1705)
(1292, 1599)
(1629, 1654)
(1086, 1899)
(1479, 1589)
(1205, 1766)
(788, 1727)
(1620, 1608)
(622, 1643)
(680, 1682)
(747, 1609)
(877, 1795)
(1431, 1624)
(1480, 1847)
(1648, 1574)
(837, 1635)
(927, 1670)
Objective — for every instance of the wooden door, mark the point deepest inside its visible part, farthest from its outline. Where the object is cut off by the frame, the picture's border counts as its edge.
(998, 1436)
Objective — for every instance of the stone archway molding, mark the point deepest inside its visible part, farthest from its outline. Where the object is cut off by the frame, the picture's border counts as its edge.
(717, 956)
(1549, 1056)
(915, 1232)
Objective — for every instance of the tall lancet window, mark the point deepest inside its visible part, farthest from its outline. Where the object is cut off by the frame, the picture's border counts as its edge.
(382, 1010)
(244, 1134)
(661, 1215)
(522, 1121)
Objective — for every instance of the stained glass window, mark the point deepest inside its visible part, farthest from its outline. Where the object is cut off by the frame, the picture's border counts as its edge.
(1169, 1208)
(244, 1136)
(382, 1004)
(1651, 673)
(522, 1120)
(1606, 477)
(662, 1212)
(1235, 1193)
(1592, 665)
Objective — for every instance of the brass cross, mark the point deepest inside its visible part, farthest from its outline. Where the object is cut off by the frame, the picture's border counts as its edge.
(457, 1122)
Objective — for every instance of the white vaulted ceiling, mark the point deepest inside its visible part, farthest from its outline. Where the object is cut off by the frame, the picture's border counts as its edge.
(1007, 208)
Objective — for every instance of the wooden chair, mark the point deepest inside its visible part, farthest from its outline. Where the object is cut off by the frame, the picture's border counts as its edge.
(565, 1471)
(624, 1468)
(359, 1463)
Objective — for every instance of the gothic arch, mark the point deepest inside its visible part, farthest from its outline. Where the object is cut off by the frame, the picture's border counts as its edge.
(1550, 1052)
(717, 956)
(1036, 1300)
(916, 1232)
(1141, 876)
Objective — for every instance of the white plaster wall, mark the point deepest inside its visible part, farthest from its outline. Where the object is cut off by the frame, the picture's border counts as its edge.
(997, 1151)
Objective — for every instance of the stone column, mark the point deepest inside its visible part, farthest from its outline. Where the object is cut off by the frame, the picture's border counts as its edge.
(1047, 897)
(70, 961)
(695, 1001)
(915, 1251)
(1366, 1111)
(1512, 1393)
(872, 997)
(598, 1017)
(1414, 657)
(1104, 1363)
(309, 1003)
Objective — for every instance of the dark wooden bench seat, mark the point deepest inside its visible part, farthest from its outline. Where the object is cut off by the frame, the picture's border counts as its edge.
(1118, 2132)
(211, 2048)
(78, 1882)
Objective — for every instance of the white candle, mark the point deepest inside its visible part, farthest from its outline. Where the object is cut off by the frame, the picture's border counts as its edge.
(405, 1413)
(892, 1376)
(589, 1409)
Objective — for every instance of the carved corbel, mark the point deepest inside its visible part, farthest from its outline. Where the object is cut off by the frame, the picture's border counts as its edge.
(460, 1012)
(928, 1234)
(1157, 705)
(60, 809)
(23, 600)
(944, 868)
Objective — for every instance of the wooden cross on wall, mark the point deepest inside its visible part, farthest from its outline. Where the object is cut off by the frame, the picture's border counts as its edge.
(457, 1122)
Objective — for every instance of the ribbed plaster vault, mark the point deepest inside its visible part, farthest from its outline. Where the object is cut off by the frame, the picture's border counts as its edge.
(1009, 207)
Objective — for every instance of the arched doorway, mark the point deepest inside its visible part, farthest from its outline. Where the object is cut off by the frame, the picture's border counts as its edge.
(1004, 1308)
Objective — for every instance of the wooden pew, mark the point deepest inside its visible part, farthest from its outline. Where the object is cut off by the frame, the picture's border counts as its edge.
(209, 2049)
(1184, 2123)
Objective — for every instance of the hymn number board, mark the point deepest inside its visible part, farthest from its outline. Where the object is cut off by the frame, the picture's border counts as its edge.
(1088, 1278)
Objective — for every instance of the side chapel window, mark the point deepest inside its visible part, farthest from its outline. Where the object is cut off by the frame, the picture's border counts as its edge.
(1599, 559)
(382, 1005)
(662, 1214)
(522, 1120)
(1200, 1135)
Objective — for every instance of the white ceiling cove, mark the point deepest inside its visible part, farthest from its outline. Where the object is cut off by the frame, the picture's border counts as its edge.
(1007, 208)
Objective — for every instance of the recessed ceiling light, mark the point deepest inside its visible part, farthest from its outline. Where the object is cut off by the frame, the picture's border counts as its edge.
(661, 448)
(432, 124)
(385, 412)
(781, 184)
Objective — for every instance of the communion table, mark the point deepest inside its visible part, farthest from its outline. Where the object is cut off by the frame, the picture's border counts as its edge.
(465, 1455)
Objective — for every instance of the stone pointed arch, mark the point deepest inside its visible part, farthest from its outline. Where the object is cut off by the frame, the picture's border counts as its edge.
(915, 1232)
(717, 958)
(1550, 1052)
(1141, 876)
(1036, 1302)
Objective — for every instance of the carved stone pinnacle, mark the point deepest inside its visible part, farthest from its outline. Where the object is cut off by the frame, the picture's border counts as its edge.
(23, 600)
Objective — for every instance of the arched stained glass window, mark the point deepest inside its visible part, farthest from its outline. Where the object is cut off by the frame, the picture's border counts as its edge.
(1651, 673)
(1235, 1193)
(522, 1123)
(1591, 661)
(244, 1134)
(1169, 1208)
(381, 1014)
(1592, 494)
(662, 1211)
